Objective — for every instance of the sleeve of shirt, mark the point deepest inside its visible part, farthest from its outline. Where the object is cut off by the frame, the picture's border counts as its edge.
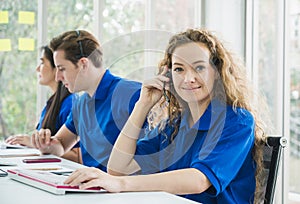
(220, 158)
(130, 92)
(42, 116)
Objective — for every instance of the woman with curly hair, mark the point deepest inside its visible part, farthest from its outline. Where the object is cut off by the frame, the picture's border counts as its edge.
(207, 147)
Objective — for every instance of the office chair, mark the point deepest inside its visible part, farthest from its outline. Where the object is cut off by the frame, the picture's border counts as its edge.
(271, 159)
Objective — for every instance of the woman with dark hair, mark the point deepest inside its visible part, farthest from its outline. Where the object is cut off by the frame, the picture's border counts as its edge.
(57, 108)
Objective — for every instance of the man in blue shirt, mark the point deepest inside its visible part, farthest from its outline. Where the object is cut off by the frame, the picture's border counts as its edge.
(100, 112)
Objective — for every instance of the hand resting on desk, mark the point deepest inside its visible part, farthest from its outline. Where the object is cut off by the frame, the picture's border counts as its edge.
(92, 177)
(21, 139)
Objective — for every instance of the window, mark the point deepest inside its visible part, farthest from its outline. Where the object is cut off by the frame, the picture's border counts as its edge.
(294, 68)
(122, 42)
(275, 68)
(18, 60)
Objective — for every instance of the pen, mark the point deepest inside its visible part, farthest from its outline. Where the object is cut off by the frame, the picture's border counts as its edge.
(63, 173)
(7, 164)
(18, 155)
(45, 169)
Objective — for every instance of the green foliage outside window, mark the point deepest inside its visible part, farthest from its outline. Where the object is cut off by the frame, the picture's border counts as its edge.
(17, 71)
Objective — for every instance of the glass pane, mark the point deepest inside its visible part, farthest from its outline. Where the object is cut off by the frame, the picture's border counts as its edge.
(170, 16)
(294, 59)
(268, 57)
(18, 54)
(69, 15)
(173, 15)
(227, 20)
(122, 44)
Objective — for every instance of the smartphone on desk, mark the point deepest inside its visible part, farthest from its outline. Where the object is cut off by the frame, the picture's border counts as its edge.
(41, 160)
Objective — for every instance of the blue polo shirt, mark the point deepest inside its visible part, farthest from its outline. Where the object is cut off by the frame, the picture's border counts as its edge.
(64, 111)
(219, 145)
(98, 120)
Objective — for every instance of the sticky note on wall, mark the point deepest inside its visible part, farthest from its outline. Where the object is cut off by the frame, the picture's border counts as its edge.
(3, 17)
(26, 17)
(5, 45)
(26, 44)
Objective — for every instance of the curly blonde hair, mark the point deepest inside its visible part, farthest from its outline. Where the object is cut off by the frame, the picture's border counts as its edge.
(233, 87)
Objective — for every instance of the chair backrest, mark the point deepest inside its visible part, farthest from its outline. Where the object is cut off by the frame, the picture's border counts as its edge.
(271, 158)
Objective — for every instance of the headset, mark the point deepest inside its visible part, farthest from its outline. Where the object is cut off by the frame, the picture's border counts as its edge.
(80, 46)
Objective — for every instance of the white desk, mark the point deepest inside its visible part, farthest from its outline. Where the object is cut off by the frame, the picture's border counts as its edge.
(14, 192)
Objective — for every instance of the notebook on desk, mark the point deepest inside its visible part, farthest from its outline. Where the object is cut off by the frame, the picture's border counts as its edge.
(8, 153)
(5, 145)
(47, 180)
